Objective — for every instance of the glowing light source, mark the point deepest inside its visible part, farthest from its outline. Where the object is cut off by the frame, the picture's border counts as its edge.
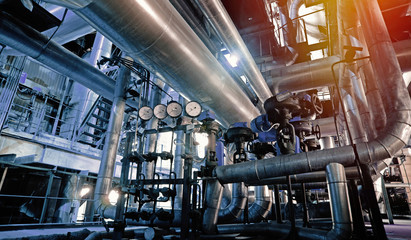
(84, 191)
(232, 59)
(113, 197)
(243, 78)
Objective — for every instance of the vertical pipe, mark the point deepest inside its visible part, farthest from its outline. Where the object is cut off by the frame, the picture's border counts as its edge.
(306, 218)
(277, 203)
(213, 196)
(109, 154)
(291, 213)
(339, 201)
(185, 208)
(125, 170)
(383, 56)
(356, 210)
(178, 161)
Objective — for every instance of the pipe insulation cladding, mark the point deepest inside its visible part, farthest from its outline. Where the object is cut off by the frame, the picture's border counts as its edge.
(155, 35)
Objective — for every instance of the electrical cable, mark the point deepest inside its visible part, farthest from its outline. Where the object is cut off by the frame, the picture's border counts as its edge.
(52, 35)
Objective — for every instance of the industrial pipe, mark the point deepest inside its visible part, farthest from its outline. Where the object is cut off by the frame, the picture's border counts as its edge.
(340, 207)
(317, 73)
(212, 203)
(221, 22)
(25, 39)
(260, 208)
(109, 154)
(233, 211)
(154, 34)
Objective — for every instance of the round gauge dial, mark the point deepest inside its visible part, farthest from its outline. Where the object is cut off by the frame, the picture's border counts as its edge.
(160, 111)
(145, 113)
(193, 109)
(174, 109)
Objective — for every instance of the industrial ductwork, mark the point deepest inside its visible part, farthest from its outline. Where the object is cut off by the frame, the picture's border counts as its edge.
(169, 48)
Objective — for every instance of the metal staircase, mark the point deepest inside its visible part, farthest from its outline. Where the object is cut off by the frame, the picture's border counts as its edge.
(93, 129)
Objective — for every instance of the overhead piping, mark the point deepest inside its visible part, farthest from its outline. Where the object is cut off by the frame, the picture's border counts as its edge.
(26, 40)
(221, 22)
(154, 34)
(317, 73)
(394, 137)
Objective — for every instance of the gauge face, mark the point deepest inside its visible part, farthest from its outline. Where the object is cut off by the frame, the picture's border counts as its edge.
(174, 109)
(145, 113)
(160, 111)
(193, 109)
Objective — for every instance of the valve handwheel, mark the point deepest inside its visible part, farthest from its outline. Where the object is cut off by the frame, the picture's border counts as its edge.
(317, 132)
(318, 106)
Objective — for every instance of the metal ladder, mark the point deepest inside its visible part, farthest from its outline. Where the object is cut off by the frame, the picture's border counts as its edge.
(93, 129)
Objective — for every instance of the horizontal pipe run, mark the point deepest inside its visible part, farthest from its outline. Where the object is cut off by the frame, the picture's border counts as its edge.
(30, 42)
(154, 34)
(317, 73)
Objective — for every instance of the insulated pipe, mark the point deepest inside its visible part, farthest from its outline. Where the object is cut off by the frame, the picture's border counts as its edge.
(154, 34)
(339, 201)
(212, 203)
(221, 22)
(317, 73)
(294, 7)
(237, 204)
(262, 204)
(394, 137)
(289, 32)
(189, 16)
(340, 212)
(108, 159)
(351, 173)
(25, 39)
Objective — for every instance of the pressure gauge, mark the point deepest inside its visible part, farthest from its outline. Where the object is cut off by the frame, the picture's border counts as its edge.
(193, 109)
(160, 111)
(174, 109)
(145, 113)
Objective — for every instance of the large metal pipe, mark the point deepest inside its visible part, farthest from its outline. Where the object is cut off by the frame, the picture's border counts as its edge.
(212, 203)
(193, 20)
(289, 32)
(233, 211)
(317, 73)
(23, 38)
(340, 208)
(394, 137)
(169, 48)
(339, 201)
(221, 22)
(260, 208)
(108, 159)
